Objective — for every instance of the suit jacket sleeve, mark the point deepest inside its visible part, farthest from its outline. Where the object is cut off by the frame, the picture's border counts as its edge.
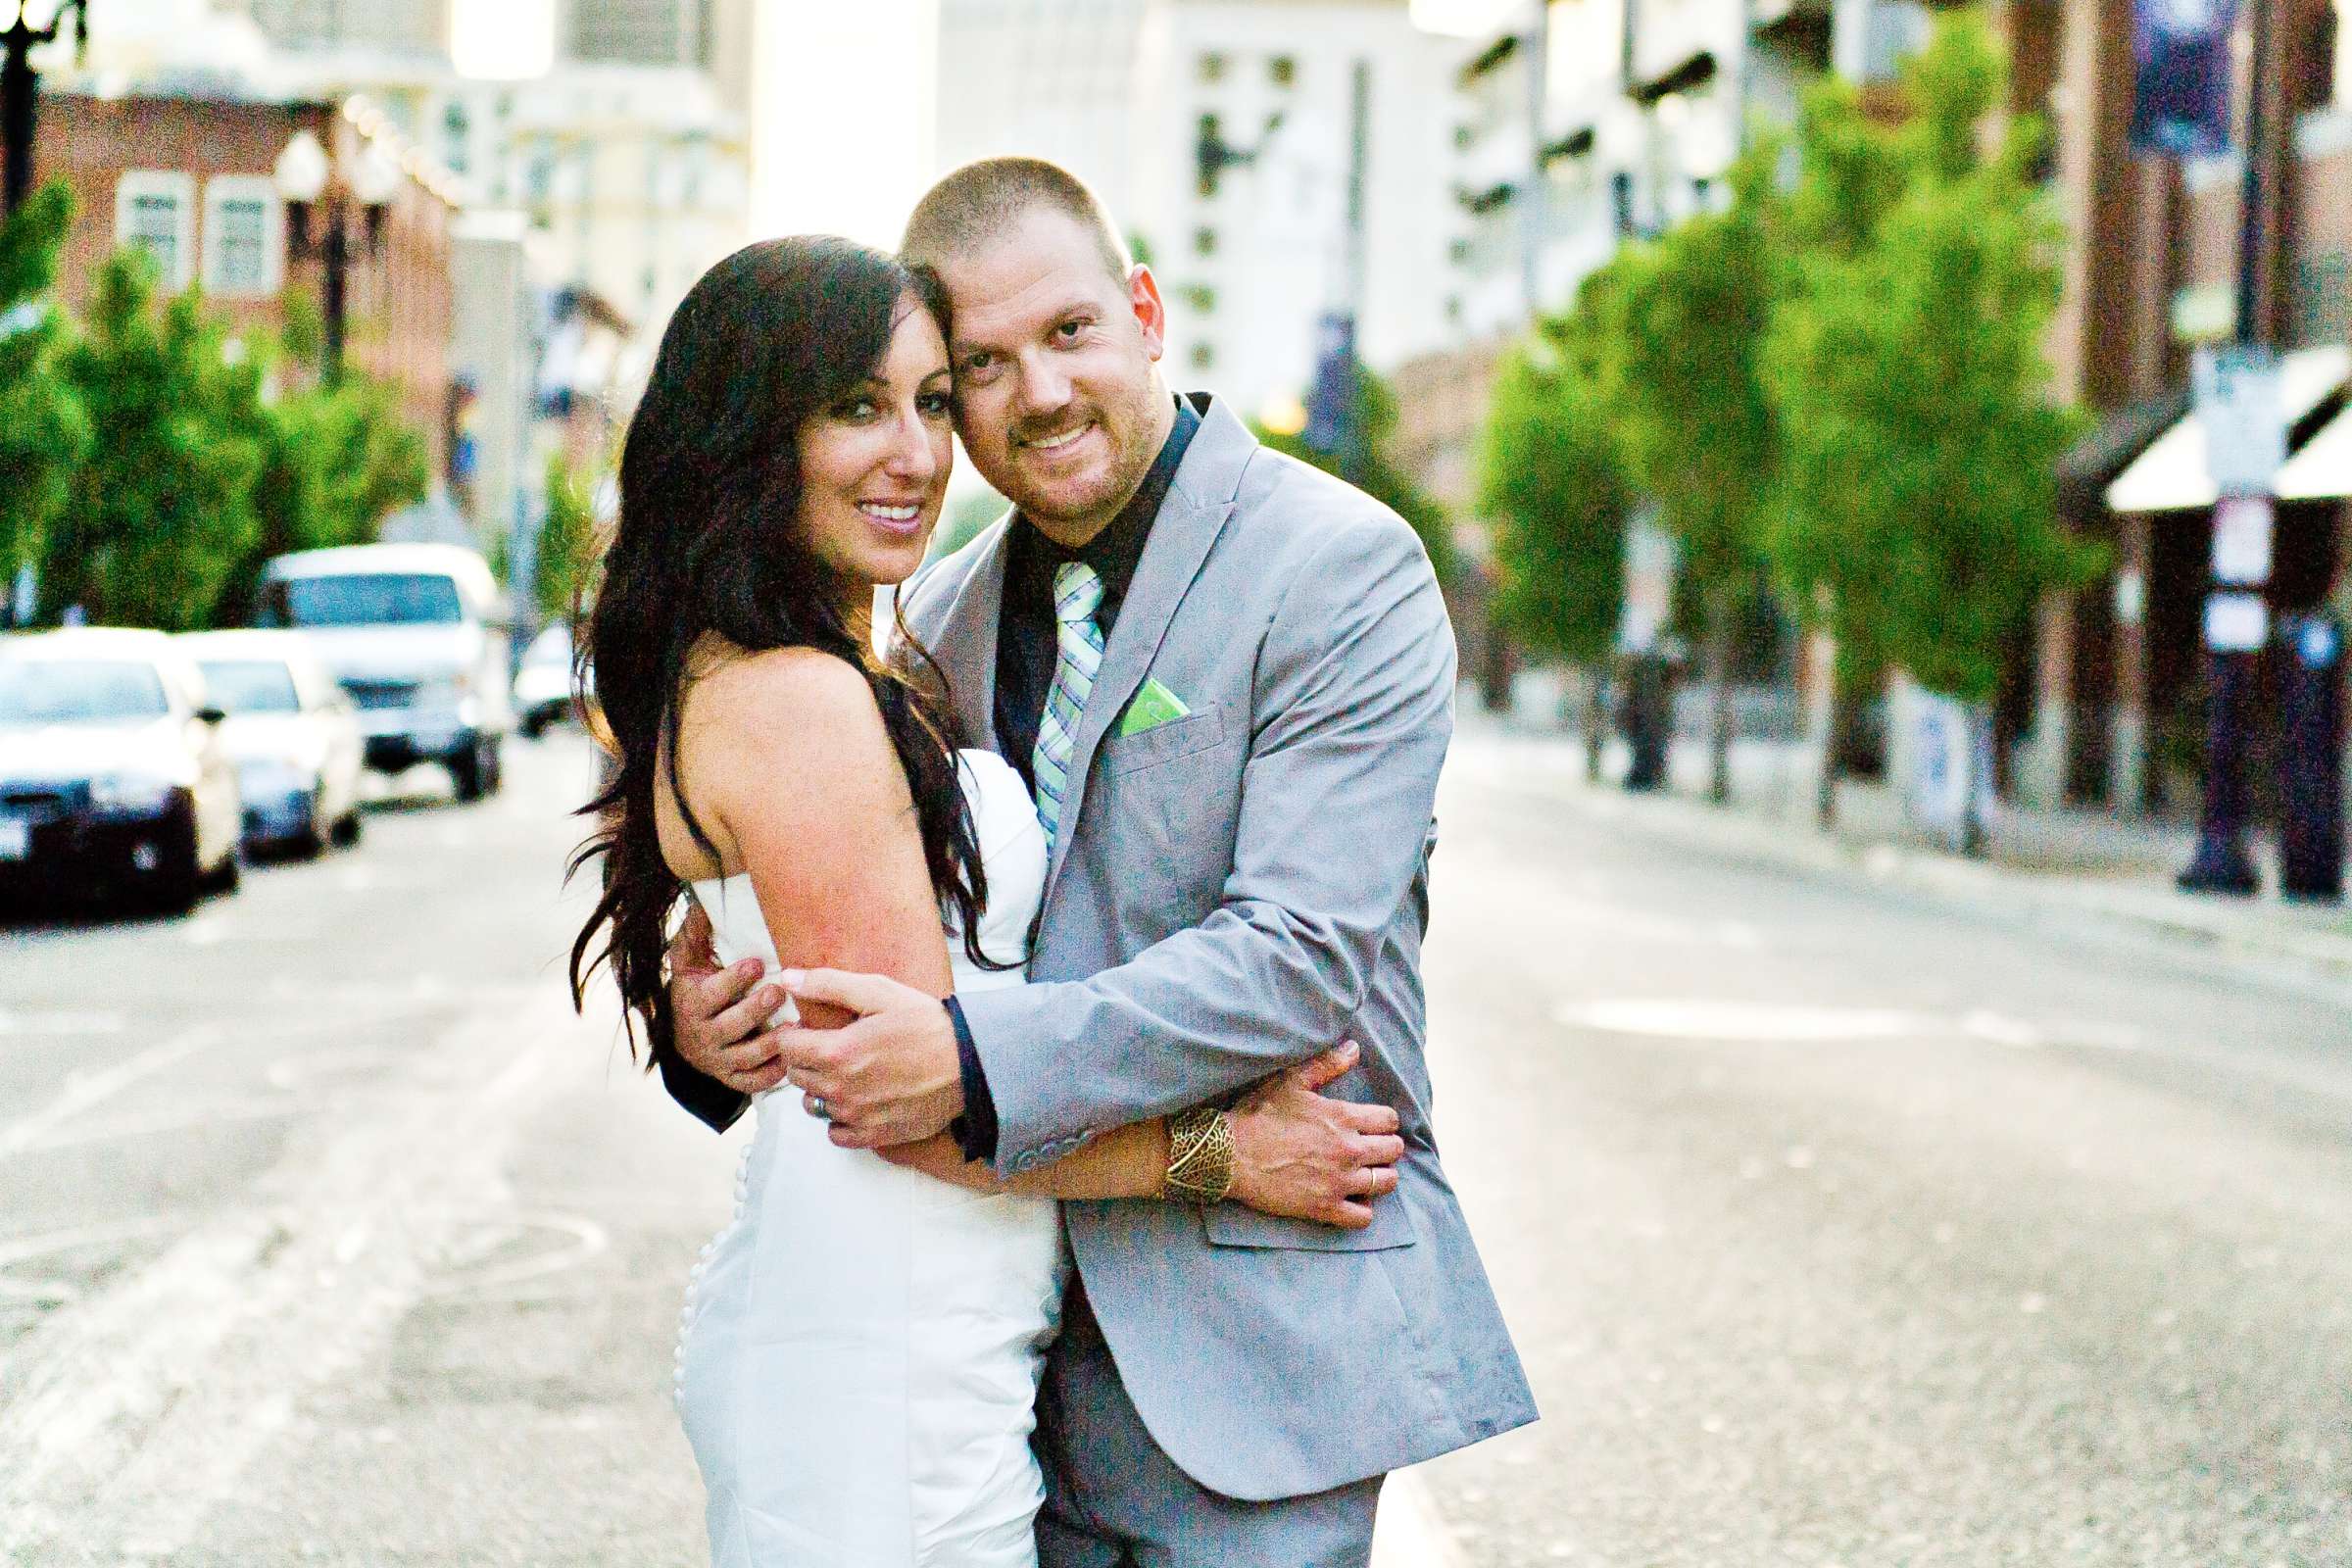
(1352, 710)
(706, 1098)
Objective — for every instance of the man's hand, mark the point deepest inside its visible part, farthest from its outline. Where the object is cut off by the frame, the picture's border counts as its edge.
(888, 1076)
(720, 1015)
(1303, 1156)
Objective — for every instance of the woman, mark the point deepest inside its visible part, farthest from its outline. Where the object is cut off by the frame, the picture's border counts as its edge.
(858, 1357)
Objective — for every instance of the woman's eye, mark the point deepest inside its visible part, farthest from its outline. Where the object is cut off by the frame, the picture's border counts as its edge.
(937, 402)
(854, 409)
(978, 362)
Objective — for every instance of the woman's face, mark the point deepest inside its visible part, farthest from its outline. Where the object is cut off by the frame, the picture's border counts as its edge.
(874, 465)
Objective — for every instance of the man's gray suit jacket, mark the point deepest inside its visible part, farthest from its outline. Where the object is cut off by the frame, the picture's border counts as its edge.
(1234, 892)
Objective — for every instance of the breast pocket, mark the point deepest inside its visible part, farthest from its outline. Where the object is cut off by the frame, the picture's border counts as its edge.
(1164, 743)
(1163, 811)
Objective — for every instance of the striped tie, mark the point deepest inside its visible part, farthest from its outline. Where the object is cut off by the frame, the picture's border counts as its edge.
(1077, 595)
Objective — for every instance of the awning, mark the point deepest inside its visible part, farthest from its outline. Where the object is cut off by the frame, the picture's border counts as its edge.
(2322, 470)
(2171, 475)
(2088, 467)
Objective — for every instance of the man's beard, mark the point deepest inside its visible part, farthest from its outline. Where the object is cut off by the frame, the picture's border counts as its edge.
(1119, 481)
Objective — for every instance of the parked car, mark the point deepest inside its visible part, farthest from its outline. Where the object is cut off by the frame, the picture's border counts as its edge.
(112, 774)
(292, 733)
(543, 681)
(417, 634)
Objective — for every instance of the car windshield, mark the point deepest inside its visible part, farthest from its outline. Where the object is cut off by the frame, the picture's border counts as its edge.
(372, 598)
(74, 691)
(251, 686)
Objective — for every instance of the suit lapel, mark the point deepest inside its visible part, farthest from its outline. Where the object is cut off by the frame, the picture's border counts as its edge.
(962, 637)
(1187, 525)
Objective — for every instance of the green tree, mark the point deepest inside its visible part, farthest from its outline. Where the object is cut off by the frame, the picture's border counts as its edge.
(162, 511)
(1383, 479)
(44, 429)
(568, 542)
(1684, 318)
(1550, 485)
(336, 459)
(1919, 517)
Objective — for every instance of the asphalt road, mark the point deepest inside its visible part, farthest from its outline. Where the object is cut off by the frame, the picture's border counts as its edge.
(1836, 1228)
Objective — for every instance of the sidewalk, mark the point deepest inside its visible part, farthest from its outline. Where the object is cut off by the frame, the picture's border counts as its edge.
(2072, 864)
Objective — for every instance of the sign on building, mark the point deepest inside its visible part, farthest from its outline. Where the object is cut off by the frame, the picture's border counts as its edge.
(2180, 83)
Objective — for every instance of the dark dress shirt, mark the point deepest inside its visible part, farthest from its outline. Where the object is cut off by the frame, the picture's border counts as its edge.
(1028, 646)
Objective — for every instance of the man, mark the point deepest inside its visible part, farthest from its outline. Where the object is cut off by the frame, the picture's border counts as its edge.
(1228, 679)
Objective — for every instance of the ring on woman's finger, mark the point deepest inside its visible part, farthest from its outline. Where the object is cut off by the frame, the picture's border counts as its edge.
(818, 1108)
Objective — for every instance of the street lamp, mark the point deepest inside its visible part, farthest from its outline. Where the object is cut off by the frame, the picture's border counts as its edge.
(30, 23)
(309, 178)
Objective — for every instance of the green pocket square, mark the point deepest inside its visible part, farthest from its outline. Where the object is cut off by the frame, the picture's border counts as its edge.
(1153, 706)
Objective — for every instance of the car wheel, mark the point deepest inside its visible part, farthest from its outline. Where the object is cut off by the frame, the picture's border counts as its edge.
(534, 724)
(470, 771)
(179, 880)
(312, 838)
(346, 831)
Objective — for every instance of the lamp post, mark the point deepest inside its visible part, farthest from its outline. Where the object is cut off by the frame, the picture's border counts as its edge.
(317, 185)
(31, 24)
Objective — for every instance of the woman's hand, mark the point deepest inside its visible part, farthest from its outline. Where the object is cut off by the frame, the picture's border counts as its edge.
(1302, 1155)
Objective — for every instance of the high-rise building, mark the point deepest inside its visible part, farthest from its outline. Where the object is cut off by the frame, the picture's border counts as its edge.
(418, 26)
(1241, 158)
(1046, 78)
(714, 37)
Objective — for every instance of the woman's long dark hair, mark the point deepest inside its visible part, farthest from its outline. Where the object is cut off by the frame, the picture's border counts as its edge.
(709, 542)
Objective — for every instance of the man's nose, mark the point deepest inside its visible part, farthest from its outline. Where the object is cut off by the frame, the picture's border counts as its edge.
(1044, 388)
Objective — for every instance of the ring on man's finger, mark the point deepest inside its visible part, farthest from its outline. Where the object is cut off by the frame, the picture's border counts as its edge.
(818, 1108)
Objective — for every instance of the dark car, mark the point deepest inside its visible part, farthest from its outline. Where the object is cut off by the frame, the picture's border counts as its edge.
(113, 777)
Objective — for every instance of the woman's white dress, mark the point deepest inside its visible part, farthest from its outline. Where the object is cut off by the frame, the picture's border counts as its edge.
(858, 1356)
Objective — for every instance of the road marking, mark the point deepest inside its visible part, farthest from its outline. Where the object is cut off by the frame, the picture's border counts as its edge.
(84, 1090)
(167, 1384)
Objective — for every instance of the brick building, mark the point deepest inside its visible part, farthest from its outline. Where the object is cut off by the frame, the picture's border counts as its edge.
(2109, 707)
(192, 181)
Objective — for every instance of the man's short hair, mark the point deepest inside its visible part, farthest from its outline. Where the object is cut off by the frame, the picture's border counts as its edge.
(980, 200)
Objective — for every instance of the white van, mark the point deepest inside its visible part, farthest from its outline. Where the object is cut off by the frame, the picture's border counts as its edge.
(416, 633)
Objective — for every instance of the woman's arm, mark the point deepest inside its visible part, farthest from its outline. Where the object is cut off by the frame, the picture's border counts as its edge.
(1295, 1152)
(784, 757)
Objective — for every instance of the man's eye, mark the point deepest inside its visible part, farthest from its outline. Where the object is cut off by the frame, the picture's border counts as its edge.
(1069, 330)
(978, 362)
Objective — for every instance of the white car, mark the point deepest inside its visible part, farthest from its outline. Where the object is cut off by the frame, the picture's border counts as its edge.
(113, 777)
(292, 732)
(416, 633)
(543, 681)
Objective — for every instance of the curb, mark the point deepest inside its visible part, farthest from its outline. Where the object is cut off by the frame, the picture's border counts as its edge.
(2257, 933)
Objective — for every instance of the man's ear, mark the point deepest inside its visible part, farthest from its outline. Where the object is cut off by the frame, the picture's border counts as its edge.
(1150, 312)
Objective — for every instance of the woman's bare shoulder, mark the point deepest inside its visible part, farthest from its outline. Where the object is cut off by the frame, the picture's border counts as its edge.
(790, 739)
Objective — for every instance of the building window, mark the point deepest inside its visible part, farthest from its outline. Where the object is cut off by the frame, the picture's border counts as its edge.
(1212, 66)
(457, 134)
(1204, 242)
(1283, 70)
(156, 212)
(243, 237)
(1205, 357)
(1202, 298)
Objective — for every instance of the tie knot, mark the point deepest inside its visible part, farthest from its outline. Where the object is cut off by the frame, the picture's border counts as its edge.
(1077, 593)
